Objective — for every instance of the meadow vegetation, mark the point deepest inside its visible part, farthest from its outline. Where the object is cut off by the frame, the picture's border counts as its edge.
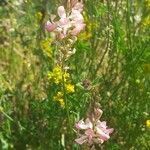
(49, 82)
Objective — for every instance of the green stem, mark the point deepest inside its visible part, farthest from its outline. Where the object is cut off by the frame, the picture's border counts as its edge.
(65, 97)
(7, 116)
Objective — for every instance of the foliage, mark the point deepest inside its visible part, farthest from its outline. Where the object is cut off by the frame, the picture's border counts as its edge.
(112, 55)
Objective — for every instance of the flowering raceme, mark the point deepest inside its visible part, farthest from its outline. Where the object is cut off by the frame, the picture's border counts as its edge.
(57, 75)
(93, 132)
(62, 79)
(69, 23)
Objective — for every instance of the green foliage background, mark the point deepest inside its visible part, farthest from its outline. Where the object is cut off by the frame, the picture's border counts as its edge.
(113, 52)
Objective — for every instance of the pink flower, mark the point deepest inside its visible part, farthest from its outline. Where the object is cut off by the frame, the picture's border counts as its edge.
(71, 23)
(77, 20)
(50, 26)
(64, 22)
(77, 29)
(93, 132)
(102, 131)
(86, 138)
(61, 12)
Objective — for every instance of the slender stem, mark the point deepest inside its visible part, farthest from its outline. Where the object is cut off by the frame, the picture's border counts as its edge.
(7, 116)
(64, 91)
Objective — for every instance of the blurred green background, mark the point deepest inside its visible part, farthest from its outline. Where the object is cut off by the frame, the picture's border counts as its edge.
(113, 53)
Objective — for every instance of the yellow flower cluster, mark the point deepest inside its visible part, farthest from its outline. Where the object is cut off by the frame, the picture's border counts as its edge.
(58, 75)
(59, 98)
(69, 88)
(46, 47)
(148, 123)
(61, 78)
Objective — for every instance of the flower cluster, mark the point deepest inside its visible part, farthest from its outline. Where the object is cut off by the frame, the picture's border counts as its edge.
(93, 131)
(69, 23)
(58, 75)
(69, 88)
(61, 78)
(59, 97)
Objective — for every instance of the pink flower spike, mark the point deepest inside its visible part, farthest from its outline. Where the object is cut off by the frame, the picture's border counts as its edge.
(69, 22)
(50, 26)
(61, 12)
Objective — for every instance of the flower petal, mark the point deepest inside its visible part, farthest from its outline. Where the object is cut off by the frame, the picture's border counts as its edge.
(102, 134)
(109, 131)
(76, 16)
(103, 124)
(78, 6)
(61, 12)
(81, 140)
(77, 29)
(50, 26)
(84, 125)
(89, 132)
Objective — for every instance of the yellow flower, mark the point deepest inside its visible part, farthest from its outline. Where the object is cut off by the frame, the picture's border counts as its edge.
(58, 75)
(62, 103)
(69, 88)
(46, 47)
(148, 123)
(59, 98)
